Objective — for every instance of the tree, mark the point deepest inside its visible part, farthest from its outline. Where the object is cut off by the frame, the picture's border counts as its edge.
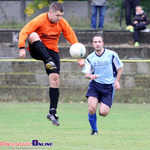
(37, 4)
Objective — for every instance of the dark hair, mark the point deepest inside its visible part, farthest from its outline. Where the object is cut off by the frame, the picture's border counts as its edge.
(56, 6)
(98, 35)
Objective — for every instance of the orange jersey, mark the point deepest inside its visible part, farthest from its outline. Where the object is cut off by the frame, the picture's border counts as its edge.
(48, 32)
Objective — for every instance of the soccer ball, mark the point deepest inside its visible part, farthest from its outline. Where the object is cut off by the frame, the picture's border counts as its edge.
(77, 50)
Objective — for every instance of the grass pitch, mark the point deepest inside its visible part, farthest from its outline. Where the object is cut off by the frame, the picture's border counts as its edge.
(127, 127)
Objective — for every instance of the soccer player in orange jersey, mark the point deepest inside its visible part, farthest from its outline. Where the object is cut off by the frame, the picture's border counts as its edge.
(43, 33)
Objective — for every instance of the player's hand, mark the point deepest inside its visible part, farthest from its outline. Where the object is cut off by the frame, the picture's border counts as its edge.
(93, 76)
(22, 53)
(117, 85)
(81, 63)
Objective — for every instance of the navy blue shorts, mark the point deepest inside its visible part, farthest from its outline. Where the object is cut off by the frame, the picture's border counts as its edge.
(103, 92)
(54, 55)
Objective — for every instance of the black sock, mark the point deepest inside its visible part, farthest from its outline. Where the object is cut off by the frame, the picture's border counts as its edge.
(54, 96)
(41, 50)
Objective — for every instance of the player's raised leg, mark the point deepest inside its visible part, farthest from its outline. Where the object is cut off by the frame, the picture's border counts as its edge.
(41, 51)
(103, 109)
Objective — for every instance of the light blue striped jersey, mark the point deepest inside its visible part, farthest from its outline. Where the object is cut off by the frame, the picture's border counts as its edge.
(105, 66)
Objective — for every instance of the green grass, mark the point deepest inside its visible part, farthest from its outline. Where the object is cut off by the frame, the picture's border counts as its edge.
(76, 23)
(127, 127)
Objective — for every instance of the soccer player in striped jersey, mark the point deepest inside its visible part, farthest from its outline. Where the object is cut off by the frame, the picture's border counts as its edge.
(104, 68)
(43, 33)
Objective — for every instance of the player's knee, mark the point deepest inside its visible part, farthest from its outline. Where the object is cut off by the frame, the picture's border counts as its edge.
(103, 113)
(92, 110)
(33, 34)
(54, 80)
(34, 37)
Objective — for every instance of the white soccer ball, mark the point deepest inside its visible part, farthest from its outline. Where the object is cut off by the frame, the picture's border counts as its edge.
(77, 50)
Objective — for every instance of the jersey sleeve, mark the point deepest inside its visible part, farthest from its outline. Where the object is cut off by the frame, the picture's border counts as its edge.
(88, 67)
(117, 62)
(28, 29)
(68, 32)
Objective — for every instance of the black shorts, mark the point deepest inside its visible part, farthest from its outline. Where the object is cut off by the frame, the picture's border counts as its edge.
(54, 55)
(103, 92)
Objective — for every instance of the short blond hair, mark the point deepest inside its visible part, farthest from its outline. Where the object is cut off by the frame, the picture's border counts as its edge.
(138, 7)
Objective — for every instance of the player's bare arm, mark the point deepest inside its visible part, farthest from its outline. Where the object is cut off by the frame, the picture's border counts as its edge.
(117, 84)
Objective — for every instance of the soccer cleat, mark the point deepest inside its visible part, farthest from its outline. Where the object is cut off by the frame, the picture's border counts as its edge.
(53, 118)
(129, 27)
(131, 30)
(51, 66)
(136, 44)
(94, 132)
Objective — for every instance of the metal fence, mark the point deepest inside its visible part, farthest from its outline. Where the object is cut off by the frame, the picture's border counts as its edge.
(26, 80)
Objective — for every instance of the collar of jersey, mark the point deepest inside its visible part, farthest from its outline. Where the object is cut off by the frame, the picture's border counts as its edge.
(101, 54)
